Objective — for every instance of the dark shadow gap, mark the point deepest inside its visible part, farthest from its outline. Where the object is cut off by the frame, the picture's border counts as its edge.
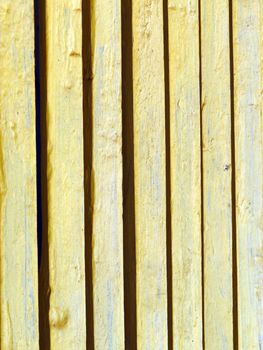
(201, 174)
(168, 179)
(38, 132)
(87, 150)
(233, 186)
(128, 181)
(41, 150)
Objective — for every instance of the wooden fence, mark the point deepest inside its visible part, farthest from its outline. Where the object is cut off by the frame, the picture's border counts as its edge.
(131, 174)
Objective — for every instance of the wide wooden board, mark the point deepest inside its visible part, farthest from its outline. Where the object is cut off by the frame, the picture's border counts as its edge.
(65, 175)
(18, 205)
(149, 169)
(183, 18)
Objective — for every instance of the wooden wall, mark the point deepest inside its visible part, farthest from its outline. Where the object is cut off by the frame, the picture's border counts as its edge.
(131, 174)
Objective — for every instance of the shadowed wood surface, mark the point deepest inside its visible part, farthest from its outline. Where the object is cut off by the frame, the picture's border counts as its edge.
(131, 174)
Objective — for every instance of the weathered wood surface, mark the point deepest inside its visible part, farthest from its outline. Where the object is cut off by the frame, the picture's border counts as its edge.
(149, 168)
(185, 173)
(107, 176)
(248, 87)
(65, 175)
(217, 168)
(168, 127)
(18, 242)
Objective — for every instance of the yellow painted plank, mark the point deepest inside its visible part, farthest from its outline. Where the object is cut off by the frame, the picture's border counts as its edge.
(65, 174)
(107, 235)
(18, 244)
(248, 69)
(185, 173)
(149, 154)
(216, 133)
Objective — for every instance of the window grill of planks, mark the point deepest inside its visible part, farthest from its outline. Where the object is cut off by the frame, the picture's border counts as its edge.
(131, 175)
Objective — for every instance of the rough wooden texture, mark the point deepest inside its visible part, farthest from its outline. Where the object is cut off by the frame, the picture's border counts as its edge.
(185, 173)
(65, 175)
(248, 69)
(190, 104)
(18, 243)
(149, 154)
(107, 233)
(216, 120)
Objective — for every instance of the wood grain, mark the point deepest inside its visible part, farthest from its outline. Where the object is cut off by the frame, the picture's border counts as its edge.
(217, 174)
(248, 73)
(185, 173)
(65, 175)
(149, 168)
(107, 197)
(18, 242)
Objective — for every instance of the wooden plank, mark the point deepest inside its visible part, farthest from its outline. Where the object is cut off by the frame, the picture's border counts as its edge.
(150, 193)
(248, 69)
(107, 236)
(18, 243)
(65, 174)
(217, 173)
(185, 173)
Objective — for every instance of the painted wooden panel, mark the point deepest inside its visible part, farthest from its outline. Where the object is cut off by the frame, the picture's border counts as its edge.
(167, 133)
(217, 169)
(65, 175)
(107, 176)
(248, 72)
(18, 244)
(185, 173)
(149, 168)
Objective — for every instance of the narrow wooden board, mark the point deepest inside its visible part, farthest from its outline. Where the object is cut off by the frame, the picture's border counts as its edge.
(18, 242)
(217, 173)
(150, 188)
(248, 73)
(65, 174)
(107, 235)
(185, 173)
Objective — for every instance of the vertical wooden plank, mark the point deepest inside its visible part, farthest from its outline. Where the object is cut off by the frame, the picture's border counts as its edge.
(107, 233)
(248, 69)
(216, 122)
(65, 174)
(185, 173)
(149, 154)
(18, 242)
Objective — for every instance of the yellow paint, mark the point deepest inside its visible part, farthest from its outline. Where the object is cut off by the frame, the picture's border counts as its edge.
(185, 173)
(248, 66)
(217, 175)
(18, 242)
(107, 176)
(190, 109)
(149, 153)
(65, 175)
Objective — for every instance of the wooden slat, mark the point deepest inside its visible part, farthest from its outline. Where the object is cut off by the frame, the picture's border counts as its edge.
(185, 173)
(149, 154)
(248, 69)
(107, 236)
(216, 122)
(18, 243)
(65, 174)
